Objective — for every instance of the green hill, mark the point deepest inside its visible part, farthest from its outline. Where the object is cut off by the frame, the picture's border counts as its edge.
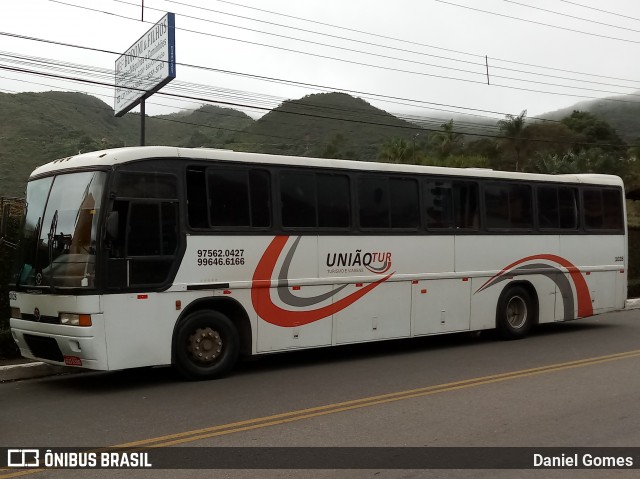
(36, 128)
(622, 113)
(324, 125)
(209, 126)
(39, 127)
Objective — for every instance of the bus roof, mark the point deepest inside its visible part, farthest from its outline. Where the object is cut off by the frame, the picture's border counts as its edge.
(120, 156)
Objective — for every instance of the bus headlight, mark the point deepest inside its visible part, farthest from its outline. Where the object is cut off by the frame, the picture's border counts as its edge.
(73, 319)
(15, 313)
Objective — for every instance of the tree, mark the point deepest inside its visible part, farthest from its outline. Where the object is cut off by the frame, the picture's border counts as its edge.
(483, 147)
(86, 144)
(546, 137)
(592, 129)
(592, 160)
(634, 151)
(447, 141)
(396, 150)
(7, 257)
(197, 140)
(336, 148)
(513, 129)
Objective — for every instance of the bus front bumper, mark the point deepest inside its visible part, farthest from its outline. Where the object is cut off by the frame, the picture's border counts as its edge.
(62, 345)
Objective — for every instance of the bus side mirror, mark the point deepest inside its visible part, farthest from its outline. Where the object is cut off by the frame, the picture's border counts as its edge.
(113, 221)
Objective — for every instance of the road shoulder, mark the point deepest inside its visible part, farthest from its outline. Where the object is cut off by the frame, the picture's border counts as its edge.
(15, 370)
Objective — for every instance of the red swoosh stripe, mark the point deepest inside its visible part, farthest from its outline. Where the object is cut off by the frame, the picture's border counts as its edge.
(585, 308)
(271, 313)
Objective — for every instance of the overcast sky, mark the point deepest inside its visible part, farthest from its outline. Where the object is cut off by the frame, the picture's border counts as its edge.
(422, 53)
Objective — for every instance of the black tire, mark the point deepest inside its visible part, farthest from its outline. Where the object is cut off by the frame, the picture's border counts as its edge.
(205, 345)
(516, 313)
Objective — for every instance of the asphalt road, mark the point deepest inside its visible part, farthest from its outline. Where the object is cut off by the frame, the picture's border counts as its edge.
(568, 385)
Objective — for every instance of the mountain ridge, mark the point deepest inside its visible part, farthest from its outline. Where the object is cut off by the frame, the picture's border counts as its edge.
(39, 127)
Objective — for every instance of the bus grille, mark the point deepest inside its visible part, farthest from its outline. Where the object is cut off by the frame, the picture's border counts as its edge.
(43, 347)
(40, 319)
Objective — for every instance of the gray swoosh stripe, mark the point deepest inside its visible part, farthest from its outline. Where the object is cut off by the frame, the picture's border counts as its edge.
(283, 278)
(555, 275)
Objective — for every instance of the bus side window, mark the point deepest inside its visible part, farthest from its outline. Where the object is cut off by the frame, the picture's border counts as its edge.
(508, 206)
(334, 201)
(496, 200)
(557, 207)
(144, 231)
(144, 250)
(602, 209)
(593, 213)
(548, 214)
(405, 210)
(197, 203)
(466, 205)
(568, 203)
(438, 197)
(612, 209)
(373, 199)
(520, 207)
(229, 197)
(298, 199)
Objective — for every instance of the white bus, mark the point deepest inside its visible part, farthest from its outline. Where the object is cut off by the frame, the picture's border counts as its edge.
(157, 255)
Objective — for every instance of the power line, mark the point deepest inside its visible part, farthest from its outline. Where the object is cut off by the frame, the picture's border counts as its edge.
(207, 100)
(380, 66)
(379, 97)
(316, 55)
(399, 127)
(258, 77)
(425, 121)
(481, 56)
(291, 27)
(600, 10)
(271, 101)
(560, 70)
(339, 27)
(480, 73)
(158, 118)
(189, 87)
(502, 86)
(572, 16)
(537, 23)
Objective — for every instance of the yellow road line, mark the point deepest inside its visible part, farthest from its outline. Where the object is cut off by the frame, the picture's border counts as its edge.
(298, 415)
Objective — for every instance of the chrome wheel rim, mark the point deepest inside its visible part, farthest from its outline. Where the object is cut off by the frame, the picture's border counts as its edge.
(516, 312)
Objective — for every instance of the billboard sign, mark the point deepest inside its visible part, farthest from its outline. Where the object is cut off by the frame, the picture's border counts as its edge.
(146, 66)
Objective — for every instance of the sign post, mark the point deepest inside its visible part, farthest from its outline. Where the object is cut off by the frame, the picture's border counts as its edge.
(145, 67)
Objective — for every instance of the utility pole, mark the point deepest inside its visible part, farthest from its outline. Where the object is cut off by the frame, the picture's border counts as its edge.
(142, 113)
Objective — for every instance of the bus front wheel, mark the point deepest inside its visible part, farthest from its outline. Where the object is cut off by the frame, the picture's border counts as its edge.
(516, 313)
(206, 345)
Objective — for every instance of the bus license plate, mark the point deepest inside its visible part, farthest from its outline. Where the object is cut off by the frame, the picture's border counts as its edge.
(72, 361)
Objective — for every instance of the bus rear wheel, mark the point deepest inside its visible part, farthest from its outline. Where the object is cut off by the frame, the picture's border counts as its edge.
(516, 313)
(206, 345)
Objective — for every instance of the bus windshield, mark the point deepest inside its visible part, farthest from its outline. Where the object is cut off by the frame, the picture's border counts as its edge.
(58, 240)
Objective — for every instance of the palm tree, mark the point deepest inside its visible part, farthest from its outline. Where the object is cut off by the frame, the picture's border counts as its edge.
(513, 129)
(447, 139)
(396, 150)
